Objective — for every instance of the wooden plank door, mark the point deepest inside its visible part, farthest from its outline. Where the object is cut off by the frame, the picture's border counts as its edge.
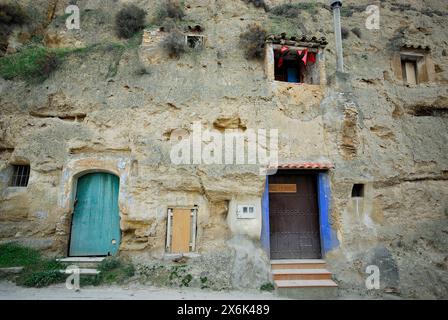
(294, 217)
(181, 231)
(96, 222)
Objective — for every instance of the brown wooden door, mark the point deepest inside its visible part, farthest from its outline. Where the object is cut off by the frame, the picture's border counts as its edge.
(294, 216)
(181, 227)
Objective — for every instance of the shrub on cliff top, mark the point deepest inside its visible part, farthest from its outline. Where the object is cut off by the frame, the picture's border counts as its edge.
(129, 21)
(11, 14)
(257, 3)
(169, 10)
(253, 41)
(289, 10)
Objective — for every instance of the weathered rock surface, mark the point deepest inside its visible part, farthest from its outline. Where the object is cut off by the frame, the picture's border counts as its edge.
(391, 137)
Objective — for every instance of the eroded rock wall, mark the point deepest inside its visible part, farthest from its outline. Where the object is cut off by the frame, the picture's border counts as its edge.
(99, 111)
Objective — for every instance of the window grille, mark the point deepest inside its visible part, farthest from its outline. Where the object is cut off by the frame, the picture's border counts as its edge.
(20, 176)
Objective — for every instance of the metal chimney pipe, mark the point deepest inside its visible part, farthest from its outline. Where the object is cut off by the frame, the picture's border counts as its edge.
(336, 6)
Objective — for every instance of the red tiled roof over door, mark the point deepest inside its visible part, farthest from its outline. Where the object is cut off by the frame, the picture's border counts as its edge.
(307, 165)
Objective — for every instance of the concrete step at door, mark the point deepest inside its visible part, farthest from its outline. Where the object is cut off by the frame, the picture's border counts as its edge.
(305, 283)
(298, 264)
(307, 289)
(301, 274)
(303, 279)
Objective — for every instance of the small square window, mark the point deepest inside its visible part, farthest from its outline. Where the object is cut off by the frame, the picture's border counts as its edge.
(195, 42)
(358, 190)
(413, 65)
(20, 176)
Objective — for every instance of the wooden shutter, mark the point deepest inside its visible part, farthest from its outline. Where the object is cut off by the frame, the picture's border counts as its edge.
(181, 230)
(411, 72)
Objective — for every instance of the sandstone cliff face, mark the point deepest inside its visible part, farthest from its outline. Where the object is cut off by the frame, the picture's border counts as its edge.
(98, 111)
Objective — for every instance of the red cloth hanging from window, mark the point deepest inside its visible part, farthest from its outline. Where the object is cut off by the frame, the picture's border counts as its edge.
(305, 55)
(311, 57)
(283, 50)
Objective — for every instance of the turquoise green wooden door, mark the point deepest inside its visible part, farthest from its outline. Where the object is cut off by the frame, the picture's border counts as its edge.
(96, 221)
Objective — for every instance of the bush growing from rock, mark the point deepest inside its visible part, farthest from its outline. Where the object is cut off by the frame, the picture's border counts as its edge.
(112, 270)
(286, 10)
(345, 33)
(289, 10)
(10, 15)
(45, 278)
(357, 31)
(174, 43)
(268, 286)
(253, 41)
(257, 3)
(129, 20)
(169, 10)
(42, 274)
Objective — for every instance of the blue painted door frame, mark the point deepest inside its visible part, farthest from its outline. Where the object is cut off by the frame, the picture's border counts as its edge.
(265, 233)
(96, 222)
(328, 237)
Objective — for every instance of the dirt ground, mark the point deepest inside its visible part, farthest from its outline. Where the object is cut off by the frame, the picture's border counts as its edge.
(9, 291)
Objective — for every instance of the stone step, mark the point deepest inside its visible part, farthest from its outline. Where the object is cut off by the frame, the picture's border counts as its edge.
(81, 259)
(83, 271)
(298, 264)
(309, 293)
(82, 262)
(305, 283)
(10, 270)
(301, 274)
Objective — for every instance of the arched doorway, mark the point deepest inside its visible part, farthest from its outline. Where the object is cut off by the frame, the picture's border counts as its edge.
(95, 227)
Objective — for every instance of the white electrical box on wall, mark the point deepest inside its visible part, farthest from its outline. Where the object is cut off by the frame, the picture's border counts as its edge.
(245, 211)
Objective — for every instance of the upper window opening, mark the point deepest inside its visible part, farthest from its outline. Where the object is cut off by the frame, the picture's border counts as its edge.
(295, 59)
(20, 176)
(413, 65)
(195, 41)
(295, 65)
(358, 191)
